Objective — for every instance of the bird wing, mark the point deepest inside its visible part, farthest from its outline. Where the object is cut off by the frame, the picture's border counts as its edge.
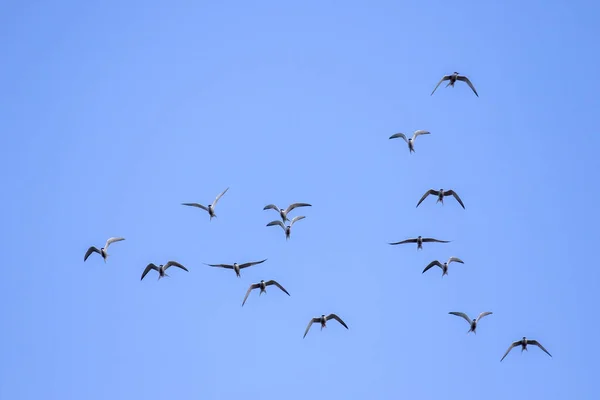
(483, 314)
(431, 264)
(90, 251)
(195, 205)
(253, 286)
(405, 241)
(445, 78)
(273, 223)
(461, 314)
(292, 206)
(272, 207)
(112, 240)
(419, 133)
(399, 135)
(298, 218)
(513, 345)
(312, 321)
(430, 191)
(175, 264)
(221, 265)
(453, 193)
(536, 343)
(456, 259)
(428, 240)
(338, 319)
(272, 282)
(465, 79)
(148, 268)
(249, 264)
(218, 197)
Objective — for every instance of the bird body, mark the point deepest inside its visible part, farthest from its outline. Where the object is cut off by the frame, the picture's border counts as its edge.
(410, 141)
(472, 322)
(211, 207)
(419, 241)
(523, 343)
(283, 212)
(443, 266)
(452, 80)
(323, 321)
(103, 251)
(440, 196)
(161, 269)
(287, 229)
(237, 267)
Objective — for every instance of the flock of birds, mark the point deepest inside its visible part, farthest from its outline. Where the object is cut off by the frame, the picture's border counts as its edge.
(283, 214)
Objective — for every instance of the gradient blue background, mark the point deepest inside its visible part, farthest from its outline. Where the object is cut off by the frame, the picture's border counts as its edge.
(114, 113)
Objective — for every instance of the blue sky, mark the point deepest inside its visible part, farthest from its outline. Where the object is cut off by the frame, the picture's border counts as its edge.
(114, 114)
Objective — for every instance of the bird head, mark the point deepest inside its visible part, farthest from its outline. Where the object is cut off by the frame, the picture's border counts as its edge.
(323, 316)
(455, 73)
(262, 281)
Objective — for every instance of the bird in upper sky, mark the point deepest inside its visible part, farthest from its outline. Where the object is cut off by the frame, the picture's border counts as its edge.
(410, 141)
(103, 250)
(286, 229)
(161, 269)
(523, 343)
(443, 266)
(323, 321)
(453, 78)
(472, 322)
(237, 267)
(211, 207)
(440, 196)
(420, 240)
(263, 288)
(284, 212)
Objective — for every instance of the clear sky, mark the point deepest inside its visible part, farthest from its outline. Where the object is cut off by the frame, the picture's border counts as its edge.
(114, 113)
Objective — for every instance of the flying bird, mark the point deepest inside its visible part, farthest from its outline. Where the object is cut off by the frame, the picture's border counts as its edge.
(440, 196)
(410, 141)
(323, 321)
(263, 288)
(472, 322)
(420, 240)
(284, 212)
(286, 229)
(237, 267)
(211, 207)
(523, 343)
(161, 269)
(103, 250)
(453, 78)
(443, 266)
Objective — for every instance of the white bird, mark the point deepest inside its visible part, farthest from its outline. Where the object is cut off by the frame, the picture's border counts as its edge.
(523, 343)
(440, 196)
(410, 141)
(419, 241)
(103, 250)
(237, 267)
(323, 321)
(443, 266)
(263, 288)
(453, 78)
(161, 269)
(472, 323)
(284, 212)
(286, 229)
(211, 207)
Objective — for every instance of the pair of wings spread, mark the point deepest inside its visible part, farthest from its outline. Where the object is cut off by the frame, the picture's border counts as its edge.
(214, 203)
(327, 318)
(445, 193)
(95, 250)
(164, 268)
